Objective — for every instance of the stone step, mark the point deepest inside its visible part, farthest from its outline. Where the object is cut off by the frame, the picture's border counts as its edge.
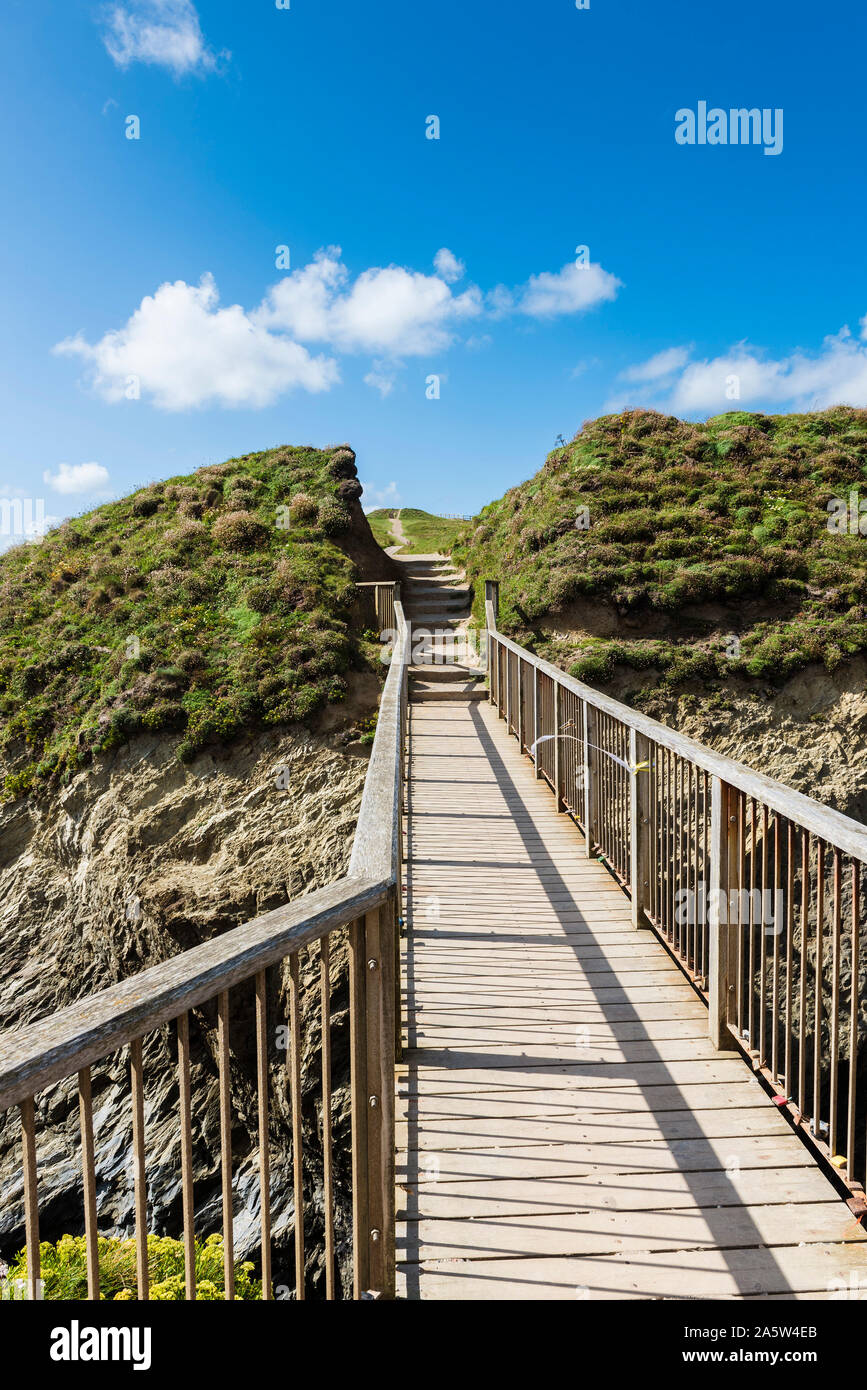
(443, 672)
(422, 692)
(432, 621)
(433, 580)
(436, 593)
(434, 564)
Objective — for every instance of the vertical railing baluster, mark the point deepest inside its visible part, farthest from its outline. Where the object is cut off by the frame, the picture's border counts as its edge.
(705, 931)
(297, 1134)
(88, 1169)
(264, 1141)
(834, 1076)
(818, 986)
(558, 747)
(536, 724)
(519, 684)
(790, 919)
(752, 1009)
(657, 834)
(723, 849)
(31, 1197)
(359, 1111)
(671, 793)
(327, 1146)
(802, 979)
(225, 1080)
(586, 736)
(139, 1168)
(763, 939)
(853, 1027)
(680, 854)
(778, 928)
(639, 828)
(185, 1108)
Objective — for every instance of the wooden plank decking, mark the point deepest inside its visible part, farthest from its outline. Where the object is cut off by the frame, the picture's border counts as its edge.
(565, 1129)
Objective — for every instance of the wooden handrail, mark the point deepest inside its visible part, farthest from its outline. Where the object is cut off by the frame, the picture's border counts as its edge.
(376, 846)
(830, 825)
(41, 1053)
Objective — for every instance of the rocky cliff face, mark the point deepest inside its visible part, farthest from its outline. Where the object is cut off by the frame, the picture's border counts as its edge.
(140, 858)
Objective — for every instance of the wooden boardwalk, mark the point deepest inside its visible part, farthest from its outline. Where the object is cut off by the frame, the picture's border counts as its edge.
(565, 1129)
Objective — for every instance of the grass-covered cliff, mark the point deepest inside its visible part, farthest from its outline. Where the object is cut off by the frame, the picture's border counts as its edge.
(651, 543)
(204, 606)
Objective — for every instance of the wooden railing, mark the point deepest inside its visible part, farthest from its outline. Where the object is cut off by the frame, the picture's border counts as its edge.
(379, 599)
(753, 887)
(35, 1058)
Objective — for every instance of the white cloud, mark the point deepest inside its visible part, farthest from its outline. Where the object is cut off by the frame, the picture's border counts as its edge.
(77, 477)
(572, 290)
(663, 364)
(447, 265)
(387, 496)
(381, 377)
(746, 378)
(183, 351)
(162, 32)
(386, 310)
(499, 301)
(581, 367)
(835, 375)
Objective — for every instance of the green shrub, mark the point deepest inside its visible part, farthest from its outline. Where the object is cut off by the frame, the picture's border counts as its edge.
(240, 530)
(303, 508)
(334, 517)
(145, 504)
(64, 1270)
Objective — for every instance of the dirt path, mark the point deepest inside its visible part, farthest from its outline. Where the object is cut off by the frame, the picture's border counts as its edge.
(398, 532)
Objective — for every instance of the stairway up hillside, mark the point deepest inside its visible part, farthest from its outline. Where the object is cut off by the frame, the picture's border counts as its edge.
(437, 602)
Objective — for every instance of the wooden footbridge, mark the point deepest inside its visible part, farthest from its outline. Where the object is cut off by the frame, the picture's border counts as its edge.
(604, 1001)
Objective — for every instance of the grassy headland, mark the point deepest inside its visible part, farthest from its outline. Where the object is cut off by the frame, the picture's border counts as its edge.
(205, 605)
(699, 550)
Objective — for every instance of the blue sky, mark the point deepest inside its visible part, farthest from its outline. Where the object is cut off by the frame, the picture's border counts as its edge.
(147, 268)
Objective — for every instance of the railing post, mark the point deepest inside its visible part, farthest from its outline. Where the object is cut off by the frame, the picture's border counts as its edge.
(492, 596)
(721, 957)
(639, 828)
(591, 788)
(537, 768)
(358, 1110)
(558, 761)
(492, 661)
(519, 691)
(372, 1084)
